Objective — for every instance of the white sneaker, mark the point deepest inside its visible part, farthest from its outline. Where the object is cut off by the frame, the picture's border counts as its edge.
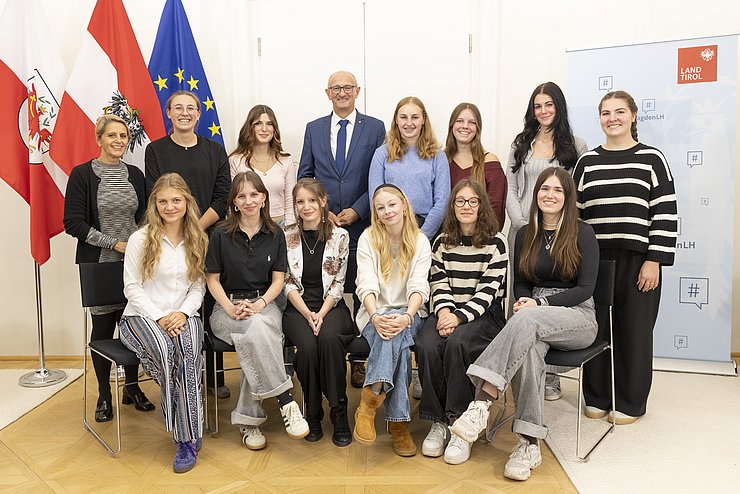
(458, 450)
(552, 387)
(473, 421)
(525, 458)
(295, 425)
(252, 437)
(436, 440)
(416, 386)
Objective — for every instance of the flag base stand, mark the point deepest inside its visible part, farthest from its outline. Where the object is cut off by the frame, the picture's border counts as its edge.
(42, 378)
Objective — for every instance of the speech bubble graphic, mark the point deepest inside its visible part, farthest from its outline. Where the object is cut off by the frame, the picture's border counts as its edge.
(694, 158)
(694, 291)
(680, 341)
(648, 105)
(606, 83)
(704, 201)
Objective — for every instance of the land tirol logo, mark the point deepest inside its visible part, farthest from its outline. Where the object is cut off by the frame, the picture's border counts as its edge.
(697, 64)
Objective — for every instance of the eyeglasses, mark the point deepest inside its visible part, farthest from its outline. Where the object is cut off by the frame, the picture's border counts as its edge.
(348, 88)
(179, 109)
(473, 202)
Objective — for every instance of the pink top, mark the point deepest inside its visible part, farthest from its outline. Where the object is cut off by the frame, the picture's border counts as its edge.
(279, 181)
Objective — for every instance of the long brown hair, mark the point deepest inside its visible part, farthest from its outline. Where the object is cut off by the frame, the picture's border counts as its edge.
(564, 252)
(196, 241)
(316, 188)
(230, 224)
(381, 241)
(627, 98)
(245, 143)
(486, 225)
(476, 147)
(427, 146)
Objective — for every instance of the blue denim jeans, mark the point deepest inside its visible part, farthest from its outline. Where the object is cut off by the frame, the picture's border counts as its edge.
(389, 362)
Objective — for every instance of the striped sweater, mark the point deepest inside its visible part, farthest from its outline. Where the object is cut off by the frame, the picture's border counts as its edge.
(629, 199)
(466, 279)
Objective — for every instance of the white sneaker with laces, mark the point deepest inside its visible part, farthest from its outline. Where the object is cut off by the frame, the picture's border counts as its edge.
(552, 387)
(458, 450)
(295, 425)
(436, 440)
(252, 437)
(416, 386)
(473, 421)
(525, 458)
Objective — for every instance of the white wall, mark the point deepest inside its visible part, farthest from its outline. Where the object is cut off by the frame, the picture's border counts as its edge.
(411, 47)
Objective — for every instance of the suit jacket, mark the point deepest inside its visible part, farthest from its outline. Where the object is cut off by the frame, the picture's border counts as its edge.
(348, 190)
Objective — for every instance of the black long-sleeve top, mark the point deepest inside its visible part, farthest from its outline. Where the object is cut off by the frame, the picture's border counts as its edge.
(577, 290)
(204, 167)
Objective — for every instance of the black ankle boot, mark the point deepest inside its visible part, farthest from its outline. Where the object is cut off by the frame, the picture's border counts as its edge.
(342, 435)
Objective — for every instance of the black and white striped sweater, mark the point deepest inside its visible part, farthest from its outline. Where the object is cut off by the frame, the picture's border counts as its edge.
(629, 199)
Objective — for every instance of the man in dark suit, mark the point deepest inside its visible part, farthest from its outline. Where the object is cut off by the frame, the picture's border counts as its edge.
(357, 136)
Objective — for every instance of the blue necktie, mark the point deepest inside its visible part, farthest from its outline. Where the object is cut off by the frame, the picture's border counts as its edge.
(341, 145)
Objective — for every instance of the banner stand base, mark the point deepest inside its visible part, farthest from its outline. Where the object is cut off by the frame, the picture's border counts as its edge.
(42, 378)
(728, 368)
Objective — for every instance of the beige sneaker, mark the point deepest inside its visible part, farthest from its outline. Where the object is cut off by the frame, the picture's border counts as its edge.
(252, 437)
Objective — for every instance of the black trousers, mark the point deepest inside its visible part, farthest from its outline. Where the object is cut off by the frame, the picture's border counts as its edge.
(103, 327)
(446, 390)
(320, 360)
(634, 315)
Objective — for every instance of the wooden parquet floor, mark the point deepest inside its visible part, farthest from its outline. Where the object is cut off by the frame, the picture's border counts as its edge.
(48, 450)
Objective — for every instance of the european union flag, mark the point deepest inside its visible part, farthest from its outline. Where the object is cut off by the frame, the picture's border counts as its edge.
(176, 65)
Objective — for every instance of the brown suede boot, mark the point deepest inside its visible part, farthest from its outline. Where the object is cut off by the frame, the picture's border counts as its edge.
(403, 443)
(365, 415)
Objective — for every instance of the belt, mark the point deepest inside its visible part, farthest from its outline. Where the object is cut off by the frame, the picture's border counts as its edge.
(243, 294)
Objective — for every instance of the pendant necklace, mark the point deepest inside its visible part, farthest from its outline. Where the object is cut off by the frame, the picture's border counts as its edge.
(310, 250)
(548, 238)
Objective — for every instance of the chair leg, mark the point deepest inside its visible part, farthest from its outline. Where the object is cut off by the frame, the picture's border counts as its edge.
(494, 425)
(586, 457)
(117, 402)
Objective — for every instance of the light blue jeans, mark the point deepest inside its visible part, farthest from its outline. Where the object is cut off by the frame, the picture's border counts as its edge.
(259, 347)
(517, 355)
(389, 362)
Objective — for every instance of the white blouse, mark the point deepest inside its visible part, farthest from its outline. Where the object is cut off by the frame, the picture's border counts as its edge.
(168, 290)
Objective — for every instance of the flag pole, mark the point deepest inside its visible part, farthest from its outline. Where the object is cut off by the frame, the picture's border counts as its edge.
(42, 377)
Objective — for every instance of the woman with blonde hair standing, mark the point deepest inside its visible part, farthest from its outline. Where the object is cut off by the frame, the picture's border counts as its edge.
(412, 160)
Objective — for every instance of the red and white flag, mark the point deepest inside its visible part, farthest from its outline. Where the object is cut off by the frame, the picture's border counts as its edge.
(32, 79)
(109, 76)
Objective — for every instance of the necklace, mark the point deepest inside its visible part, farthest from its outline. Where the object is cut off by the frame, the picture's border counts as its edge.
(310, 250)
(259, 165)
(549, 238)
(548, 224)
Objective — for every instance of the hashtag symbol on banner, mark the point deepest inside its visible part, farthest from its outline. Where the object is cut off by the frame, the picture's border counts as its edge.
(693, 290)
(694, 158)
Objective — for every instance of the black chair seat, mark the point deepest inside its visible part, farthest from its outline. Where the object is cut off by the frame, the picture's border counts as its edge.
(214, 344)
(358, 345)
(574, 358)
(116, 351)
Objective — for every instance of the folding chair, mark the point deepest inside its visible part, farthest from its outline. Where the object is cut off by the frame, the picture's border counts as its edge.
(603, 296)
(102, 284)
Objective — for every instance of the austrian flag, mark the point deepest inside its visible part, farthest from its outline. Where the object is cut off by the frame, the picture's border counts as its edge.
(32, 79)
(109, 76)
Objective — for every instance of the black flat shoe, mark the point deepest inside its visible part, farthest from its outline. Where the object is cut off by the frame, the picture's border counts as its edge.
(104, 412)
(140, 401)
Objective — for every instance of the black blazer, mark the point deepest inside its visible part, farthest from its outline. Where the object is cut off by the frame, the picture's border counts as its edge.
(81, 206)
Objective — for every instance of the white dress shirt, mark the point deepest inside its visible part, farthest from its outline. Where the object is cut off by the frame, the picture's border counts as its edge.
(335, 131)
(168, 290)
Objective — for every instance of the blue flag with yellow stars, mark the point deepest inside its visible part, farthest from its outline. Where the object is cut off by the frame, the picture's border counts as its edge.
(175, 64)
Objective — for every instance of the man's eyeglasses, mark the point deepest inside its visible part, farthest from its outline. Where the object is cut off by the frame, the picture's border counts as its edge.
(473, 202)
(348, 88)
